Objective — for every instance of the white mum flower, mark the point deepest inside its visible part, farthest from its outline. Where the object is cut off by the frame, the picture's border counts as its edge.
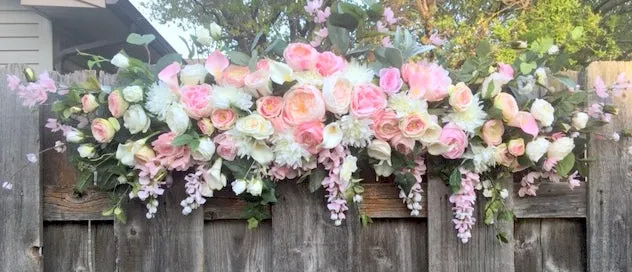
(482, 157)
(287, 151)
(470, 119)
(356, 132)
(159, 98)
(404, 105)
(226, 96)
(309, 77)
(357, 73)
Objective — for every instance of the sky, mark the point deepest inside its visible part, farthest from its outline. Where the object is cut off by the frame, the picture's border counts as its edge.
(169, 32)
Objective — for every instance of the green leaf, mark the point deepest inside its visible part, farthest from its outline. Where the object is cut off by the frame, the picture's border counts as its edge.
(405, 181)
(565, 166)
(138, 39)
(455, 180)
(256, 41)
(577, 32)
(506, 216)
(58, 106)
(344, 20)
(394, 57)
(277, 47)
(483, 49)
(365, 220)
(239, 167)
(252, 223)
(316, 178)
(238, 58)
(339, 37)
(376, 11)
(164, 61)
(183, 139)
(567, 81)
(347, 8)
(527, 67)
(83, 180)
(502, 237)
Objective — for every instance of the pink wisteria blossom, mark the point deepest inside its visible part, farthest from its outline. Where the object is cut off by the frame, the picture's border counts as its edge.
(13, 82)
(600, 87)
(312, 6)
(435, 39)
(464, 201)
(332, 160)
(322, 15)
(389, 16)
(32, 94)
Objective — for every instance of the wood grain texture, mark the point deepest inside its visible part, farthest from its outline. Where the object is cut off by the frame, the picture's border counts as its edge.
(61, 203)
(482, 253)
(104, 246)
(20, 208)
(554, 200)
(169, 242)
(231, 246)
(381, 200)
(392, 245)
(550, 245)
(68, 247)
(610, 182)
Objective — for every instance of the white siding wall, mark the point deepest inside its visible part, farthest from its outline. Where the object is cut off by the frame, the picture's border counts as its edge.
(25, 36)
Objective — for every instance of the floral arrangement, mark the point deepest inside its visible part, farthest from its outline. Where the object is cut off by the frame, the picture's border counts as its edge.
(320, 111)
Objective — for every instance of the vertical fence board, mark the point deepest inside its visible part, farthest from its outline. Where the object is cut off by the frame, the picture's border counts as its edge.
(482, 253)
(20, 208)
(392, 245)
(231, 246)
(104, 247)
(67, 247)
(609, 183)
(170, 242)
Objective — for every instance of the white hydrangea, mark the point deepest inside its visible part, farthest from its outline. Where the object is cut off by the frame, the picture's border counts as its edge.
(226, 96)
(404, 105)
(287, 151)
(470, 119)
(356, 132)
(159, 98)
(482, 157)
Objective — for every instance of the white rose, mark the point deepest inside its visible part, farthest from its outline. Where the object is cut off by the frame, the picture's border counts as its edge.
(205, 150)
(580, 120)
(383, 169)
(203, 36)
(261, 153)
(543, 112)
(504, 193)
(74, 136)
(125, 152)
(136, 120)
(193, 74)
(332, 135)
(536, 148)
(239, 186)
(540, 76)
(86, 151)
(255, 186)
(348, 167)
(133, 94)
(379, 150)
(214, 179)
(215, 30)
(560, 148)
(121, 61)
(256, 126)
(177, 119)
(337, 94)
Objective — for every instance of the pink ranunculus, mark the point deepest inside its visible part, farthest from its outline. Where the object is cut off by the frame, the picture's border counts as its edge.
(216, 63)
(493, 131)
(234, 75)
(366, 100)
(506, 71)
(169, 75)
(385, 125)
(195, 99)
(413, 126)
(310, 135)
(269, 106)
(223, 119)
(116, 104)
(13, 82)
(461, 97)
(327, 63)
(102, 130)
(303, 104)
(258, 83)
(403, 144)
(455, 138)
(390, 80)
(300, 56)
(507, 104)
(429, 81)
(516, 147)
(170, 156)
(263, 64)
(226, 146)
(525, 121)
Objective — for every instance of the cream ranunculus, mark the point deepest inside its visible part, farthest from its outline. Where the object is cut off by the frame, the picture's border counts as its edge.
(133, 94)
(332, 135)
(256, 126)
(86, 151)
(261, 153)
(580, 120)
(255, 187)
(337, 94)
(205, 150)
(136, 120)
(239, 186)
(348, 167)
(193, 74)
(460, 97)
(560, 148)
(536, 148)
(125, 153)
(543, 112)
(379, 150)
(214, 179)
(177, 119)
(120, 60)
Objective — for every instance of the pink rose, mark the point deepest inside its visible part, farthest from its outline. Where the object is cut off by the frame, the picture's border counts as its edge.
(278, 124)
(269, 106)
(429, 81)
(216, 63)
(366, 100)
(502, 156)
(493, 131)
(172, 157)
(385, 125)
(300, 56)
(195, 99)
(461, 97)
(223, 119)
(310, 135)
(258, 83)
(525, 121)
(409, 70)
(89, 103)
(234, 75)
(516, 147)
(263, 64)
(390, 80)
(328, 63)
(413, 126)
(403, 144)
(169, 75)
(507, 104)
(206, 126)
(303, 104)
(116, 104)
(102, 130)
(226, 147)
(454, 137)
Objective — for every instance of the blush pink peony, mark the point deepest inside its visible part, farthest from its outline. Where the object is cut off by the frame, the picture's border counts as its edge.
(455, 138)
(300, 56)
(303, 104)
(366, 100)
(195, 99)
(310, 135)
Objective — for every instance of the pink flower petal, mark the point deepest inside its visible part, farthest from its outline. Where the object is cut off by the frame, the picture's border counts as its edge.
(216, 63)
(600, 88)
(169, 75)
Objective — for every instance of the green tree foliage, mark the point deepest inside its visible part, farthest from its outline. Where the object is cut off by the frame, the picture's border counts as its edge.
(617, 20)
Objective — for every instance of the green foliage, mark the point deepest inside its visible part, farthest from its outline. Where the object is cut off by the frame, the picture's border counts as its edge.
(455, 180)
(316, 178)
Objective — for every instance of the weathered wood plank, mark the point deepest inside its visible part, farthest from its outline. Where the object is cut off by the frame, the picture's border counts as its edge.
(61, 203)
(231, 246)
(104, 246)
(381, 200)
(68, 247)
(554, 200)
(392, 245)
(20, 208)
(169, 242)
(304, 237)
(550, 245)
(482, 253)
(610, 182)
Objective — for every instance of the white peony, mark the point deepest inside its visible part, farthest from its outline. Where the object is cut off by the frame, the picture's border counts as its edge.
(133, 94)
(580, 120)
(239, 186)
(543, 112)
(255, 186)
(536, 148)
(86, 151)
(205, 150)
(120, 60)
(560, 148)
(332, 135)
(136, 120)
(379, 150)
(348, 167)
(261, 153)
(256, 126)
(214, 179)
(337, 94)
(125, 152)
(193, 74)
(177, 119)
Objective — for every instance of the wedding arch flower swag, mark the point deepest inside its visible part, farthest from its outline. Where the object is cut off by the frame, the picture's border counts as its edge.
(319, 111)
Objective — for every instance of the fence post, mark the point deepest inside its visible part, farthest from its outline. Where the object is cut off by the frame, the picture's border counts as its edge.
(609, 182)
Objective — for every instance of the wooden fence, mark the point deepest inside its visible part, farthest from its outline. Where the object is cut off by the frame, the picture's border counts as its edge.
(45, 226)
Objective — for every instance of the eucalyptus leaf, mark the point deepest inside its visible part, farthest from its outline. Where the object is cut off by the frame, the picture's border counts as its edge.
(344, 20)
(238, 58)
(165, 61)
(405, 181)
(316, 178)
(339, 37)
(455, 180)
(138, 39)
